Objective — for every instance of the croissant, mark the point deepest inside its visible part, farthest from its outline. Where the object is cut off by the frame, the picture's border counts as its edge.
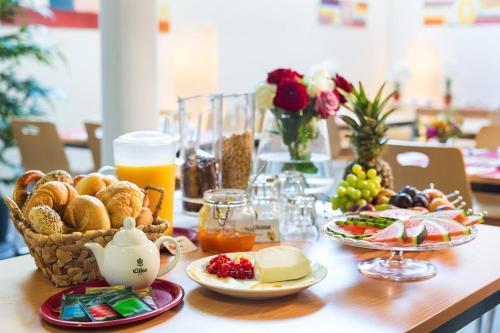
(21, 193)
(93, 183)
(54, 194)
(56, 175)
(122, 199)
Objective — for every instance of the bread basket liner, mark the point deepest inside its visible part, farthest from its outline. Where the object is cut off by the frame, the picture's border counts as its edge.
(62, 258)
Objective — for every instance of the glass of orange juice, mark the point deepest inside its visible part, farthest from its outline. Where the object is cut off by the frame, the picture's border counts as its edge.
(148, 158)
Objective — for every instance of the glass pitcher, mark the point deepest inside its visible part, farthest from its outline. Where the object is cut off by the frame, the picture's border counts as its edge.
(148, 158)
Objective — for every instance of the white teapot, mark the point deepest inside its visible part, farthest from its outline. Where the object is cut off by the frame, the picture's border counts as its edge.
(131, 258)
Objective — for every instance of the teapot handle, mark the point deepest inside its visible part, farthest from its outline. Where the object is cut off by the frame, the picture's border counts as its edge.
(168, 267)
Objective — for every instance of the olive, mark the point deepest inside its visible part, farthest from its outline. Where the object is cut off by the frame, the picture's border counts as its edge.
(403, 200)
(420, 201)
(410, 190)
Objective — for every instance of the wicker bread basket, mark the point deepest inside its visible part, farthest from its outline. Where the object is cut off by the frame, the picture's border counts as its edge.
(62, 258)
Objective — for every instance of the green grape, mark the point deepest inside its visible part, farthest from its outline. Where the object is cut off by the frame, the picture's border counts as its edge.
(371, 173)
(343, 183)
(335, 202)
(379, 179)
(362, 175)
(348, 205)
(352, 179)
(356, 195)
(341, 191)
(370, 184)
(343, 201)
(361, 202)
(374, 192)
(356, 168)
(366, 194)
(361, 184)
(350, 191)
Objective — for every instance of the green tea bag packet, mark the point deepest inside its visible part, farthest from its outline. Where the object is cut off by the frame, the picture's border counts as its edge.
(126, 303)
(97, 309)
(148, 297)
(71, 309)
(103, 290)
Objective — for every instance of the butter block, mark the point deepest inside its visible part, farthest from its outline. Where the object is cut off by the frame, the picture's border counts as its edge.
(281, 263)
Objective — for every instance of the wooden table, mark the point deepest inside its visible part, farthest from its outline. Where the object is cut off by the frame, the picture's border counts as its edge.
(345, 301)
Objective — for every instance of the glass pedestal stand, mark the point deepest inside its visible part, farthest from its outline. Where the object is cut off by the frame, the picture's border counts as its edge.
(397, 268)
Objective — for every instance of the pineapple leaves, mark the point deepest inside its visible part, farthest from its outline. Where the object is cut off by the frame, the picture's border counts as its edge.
(351, 122)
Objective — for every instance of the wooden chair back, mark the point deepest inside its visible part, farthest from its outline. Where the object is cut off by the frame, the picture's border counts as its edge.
(418, 164)
(40, 146)
(488, 137)
(94, 142)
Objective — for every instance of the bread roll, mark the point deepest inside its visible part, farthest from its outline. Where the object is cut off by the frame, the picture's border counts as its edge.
(45, 220)
(56, 175)
(54, 194)
(93, 183)
(122, 199)
(145, 217)
(86, 213)
(21, 193)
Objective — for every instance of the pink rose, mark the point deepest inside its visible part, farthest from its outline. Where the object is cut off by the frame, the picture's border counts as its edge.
(326, 104)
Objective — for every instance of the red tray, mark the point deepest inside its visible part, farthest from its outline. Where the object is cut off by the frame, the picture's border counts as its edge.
(168, 295)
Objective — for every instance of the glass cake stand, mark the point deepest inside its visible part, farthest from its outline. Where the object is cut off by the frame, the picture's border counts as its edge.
(396, 267)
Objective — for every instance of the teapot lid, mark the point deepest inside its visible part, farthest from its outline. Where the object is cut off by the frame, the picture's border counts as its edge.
(128, 235)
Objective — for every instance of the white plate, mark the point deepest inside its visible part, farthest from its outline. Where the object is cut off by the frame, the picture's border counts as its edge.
(252, 288)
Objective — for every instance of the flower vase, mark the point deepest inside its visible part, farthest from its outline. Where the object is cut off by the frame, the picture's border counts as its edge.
(296, 143)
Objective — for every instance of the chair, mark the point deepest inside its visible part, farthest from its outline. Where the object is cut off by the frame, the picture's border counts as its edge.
(418, 164)
(488, 137)
(40, 145)
(335, 136)
(94, 142)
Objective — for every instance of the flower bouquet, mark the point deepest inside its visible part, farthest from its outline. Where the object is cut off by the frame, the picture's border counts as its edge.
(442, 130)
(298, 103)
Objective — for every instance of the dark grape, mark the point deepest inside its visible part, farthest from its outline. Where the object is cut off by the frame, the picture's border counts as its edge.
(420, 201)
(403, 200)
(410, 190)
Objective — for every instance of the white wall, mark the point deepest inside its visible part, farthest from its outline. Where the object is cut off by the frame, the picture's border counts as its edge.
(253, 37)
(473, 51)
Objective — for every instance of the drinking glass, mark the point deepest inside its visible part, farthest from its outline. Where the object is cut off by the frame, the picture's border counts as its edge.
(299, 221)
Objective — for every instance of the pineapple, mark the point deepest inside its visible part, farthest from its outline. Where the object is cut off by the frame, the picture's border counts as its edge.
(368, 137)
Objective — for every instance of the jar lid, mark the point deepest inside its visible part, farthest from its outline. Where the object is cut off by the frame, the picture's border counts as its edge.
(226, 197)
(128, 235)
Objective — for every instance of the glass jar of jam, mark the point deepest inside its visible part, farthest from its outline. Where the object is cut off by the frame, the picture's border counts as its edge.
(226, 221)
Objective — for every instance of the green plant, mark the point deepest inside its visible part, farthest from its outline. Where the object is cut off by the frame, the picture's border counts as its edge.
(19, 96)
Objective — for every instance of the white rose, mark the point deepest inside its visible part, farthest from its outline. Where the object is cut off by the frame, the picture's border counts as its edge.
(318, 81)
(264, 96)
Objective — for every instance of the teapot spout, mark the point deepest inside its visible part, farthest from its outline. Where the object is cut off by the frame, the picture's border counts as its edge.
(98, 252)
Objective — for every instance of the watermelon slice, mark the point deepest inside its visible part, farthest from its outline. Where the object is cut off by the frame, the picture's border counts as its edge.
(454, 214)
(396, 232)
(399, 213)
(340, 231)
(415, 231)
(473, 219)
(454, 228)
(436, 232)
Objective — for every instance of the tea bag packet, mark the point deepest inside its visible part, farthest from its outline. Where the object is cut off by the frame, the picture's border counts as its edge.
(126, 303)
(71, 309)
(103, 290)
(148, 297)
(97, 309)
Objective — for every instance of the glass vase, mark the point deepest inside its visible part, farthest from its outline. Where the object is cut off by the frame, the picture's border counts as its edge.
(290, 142)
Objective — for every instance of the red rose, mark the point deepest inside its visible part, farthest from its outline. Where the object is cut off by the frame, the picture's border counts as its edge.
(342, 83)
(326, 104)
(291, 96)
(276, 76)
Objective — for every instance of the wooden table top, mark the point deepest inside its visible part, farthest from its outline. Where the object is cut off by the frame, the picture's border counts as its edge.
(345, 301)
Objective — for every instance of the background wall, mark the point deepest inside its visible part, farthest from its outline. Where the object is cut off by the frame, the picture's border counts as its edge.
(230, 45)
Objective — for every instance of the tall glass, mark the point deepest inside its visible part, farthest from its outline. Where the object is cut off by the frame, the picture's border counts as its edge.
(148, 158)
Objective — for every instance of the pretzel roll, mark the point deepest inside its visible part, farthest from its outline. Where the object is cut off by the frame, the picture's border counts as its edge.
(122, 199)
(21, 193)
(93, 183)
(54, 194)
(86, 213)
